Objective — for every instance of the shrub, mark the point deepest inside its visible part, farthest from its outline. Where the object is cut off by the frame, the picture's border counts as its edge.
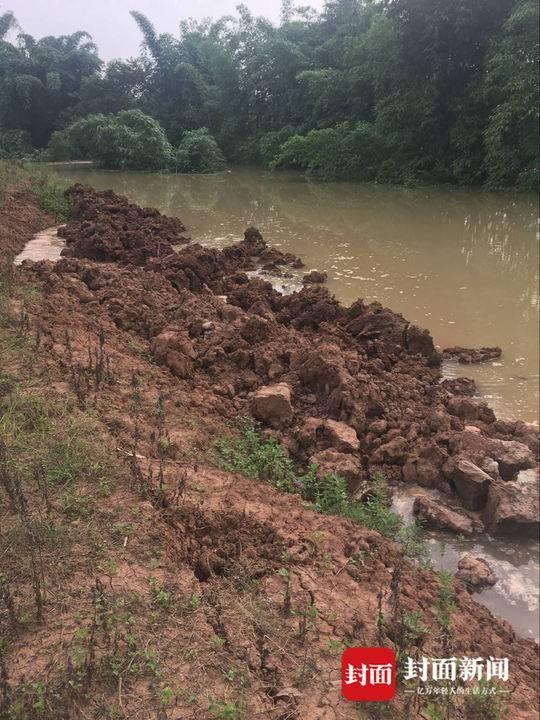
(199, 152)
(14, 143)
(50, 194)
(60, 147)
(344, 152)
(271, 142)
(328, 492)
(375, 512)
(129, 140)
(259, 459)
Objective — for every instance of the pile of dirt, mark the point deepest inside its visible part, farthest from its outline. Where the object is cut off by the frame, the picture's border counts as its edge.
(361, 371)
(105, 226)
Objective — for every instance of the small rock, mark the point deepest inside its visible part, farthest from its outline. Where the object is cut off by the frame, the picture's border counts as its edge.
(307, 435)
(513, 508)
(275, 370)
(475, 572)
(471, 483)
(467, 356)
(174, 350)
(511, 456)
(378, 427)
(419, 341)
(344, 464)
(314, 278)
(272, 404)
(254, 240)
(424, 473)
(230, 313)
(468, 409)
(441, 517)
(393, 452)
(342, 436)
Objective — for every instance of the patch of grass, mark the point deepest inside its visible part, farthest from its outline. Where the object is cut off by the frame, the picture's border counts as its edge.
(46, 430)
(220, 710)
(445, 602)
(259, 459)
(47, 189)
(328, 492)
(218, 642)
(159, 595)
(11, 172)
(266, 460)
(375, 513)
(49, 192)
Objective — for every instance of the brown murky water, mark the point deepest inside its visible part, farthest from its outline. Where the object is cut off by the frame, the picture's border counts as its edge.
(461, 262)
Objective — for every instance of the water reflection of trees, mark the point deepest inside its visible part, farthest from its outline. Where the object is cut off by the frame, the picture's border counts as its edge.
(481, 227)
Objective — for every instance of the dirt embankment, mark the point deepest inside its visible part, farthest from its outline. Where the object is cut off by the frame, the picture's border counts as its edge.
(20, 219)
(355, 390)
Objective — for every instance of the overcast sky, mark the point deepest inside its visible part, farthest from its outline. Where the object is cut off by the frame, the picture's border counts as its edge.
(110, 25)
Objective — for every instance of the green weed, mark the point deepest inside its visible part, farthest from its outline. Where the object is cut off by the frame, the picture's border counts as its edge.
(49, 193)
(266, 460)
(259, 459)
(159, 595)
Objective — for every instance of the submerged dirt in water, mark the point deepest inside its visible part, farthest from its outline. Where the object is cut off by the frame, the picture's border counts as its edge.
(516, 564)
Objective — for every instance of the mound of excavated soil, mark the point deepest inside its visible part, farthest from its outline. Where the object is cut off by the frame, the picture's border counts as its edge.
(362, 383)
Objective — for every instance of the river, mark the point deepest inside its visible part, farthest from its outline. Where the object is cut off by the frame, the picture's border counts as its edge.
(461, 262)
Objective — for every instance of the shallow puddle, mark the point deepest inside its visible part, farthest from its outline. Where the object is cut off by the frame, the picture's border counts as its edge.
(45, 245)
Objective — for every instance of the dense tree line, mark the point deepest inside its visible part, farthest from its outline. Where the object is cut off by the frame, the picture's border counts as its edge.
(405, 91)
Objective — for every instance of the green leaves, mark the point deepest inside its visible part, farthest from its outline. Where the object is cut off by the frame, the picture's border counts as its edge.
(402, 91)
(198, 152)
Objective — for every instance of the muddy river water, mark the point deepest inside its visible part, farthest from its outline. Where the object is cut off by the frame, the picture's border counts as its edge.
(461, 262)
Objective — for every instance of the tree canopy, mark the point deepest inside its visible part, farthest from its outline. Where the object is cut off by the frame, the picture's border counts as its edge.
(405, 91)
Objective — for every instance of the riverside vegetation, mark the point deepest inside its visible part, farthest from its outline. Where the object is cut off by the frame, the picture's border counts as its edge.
(48, 191)
(398, 91)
